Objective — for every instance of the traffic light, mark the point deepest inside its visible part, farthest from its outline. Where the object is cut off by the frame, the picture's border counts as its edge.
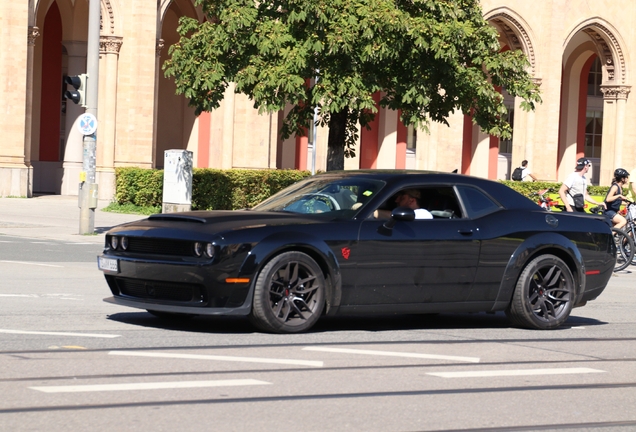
(78, 95)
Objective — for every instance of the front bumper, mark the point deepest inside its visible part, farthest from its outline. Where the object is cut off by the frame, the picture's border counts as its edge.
(179, 287)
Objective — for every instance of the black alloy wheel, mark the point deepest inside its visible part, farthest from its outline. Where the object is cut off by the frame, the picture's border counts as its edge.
(544, 294)
(289, 294)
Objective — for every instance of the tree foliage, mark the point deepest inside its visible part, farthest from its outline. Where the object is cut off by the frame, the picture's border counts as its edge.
(428, 58)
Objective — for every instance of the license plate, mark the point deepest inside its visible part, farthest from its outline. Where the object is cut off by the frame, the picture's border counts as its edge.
(108, 264)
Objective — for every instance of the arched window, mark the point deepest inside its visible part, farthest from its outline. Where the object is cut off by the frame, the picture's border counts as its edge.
(594, 112)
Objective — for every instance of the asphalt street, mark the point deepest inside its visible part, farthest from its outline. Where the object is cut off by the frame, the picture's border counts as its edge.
(71, 362)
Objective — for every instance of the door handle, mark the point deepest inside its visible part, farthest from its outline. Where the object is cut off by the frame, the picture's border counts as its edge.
(466, 232)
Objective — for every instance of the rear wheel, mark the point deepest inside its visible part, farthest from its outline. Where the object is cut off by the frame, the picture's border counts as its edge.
(544, 294)
(624, 249)
(630, 229)
(289, 294)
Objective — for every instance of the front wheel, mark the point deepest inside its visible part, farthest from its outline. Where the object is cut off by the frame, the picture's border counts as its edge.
(544, 294)
(289, 294)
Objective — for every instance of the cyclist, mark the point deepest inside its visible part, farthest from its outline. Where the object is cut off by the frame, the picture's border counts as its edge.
(573, 191)
(614, 198)
(631, 195)
(526, 174)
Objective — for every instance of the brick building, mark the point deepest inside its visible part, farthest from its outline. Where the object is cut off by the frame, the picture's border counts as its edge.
(580, 52)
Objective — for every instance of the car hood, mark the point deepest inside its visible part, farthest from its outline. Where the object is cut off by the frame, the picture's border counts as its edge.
(217, 221)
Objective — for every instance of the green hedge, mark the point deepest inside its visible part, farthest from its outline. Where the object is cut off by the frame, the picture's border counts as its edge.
(212, 189)
(142, 187)
(215, 189)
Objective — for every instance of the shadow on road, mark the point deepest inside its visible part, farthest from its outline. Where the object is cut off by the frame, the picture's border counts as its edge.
(241, 325)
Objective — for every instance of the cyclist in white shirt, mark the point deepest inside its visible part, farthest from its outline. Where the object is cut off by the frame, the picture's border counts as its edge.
(574, 188)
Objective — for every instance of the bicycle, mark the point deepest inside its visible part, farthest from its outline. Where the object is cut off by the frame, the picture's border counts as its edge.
(625, 248)
(546, 202)
(630, 227)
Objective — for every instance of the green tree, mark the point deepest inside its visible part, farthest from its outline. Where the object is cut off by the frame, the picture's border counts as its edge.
(427, 57)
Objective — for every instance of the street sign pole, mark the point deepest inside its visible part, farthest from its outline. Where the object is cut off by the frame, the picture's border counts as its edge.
(88, 192)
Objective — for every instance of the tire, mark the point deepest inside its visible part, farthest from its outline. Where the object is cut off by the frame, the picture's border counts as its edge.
(543, 295)
(630, 233)
(289, 294)
(171, 316)
(624, 249)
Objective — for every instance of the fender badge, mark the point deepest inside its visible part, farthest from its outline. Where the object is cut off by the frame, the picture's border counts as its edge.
(346, 252)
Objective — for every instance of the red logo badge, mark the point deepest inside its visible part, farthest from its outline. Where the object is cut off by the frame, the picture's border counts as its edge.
(346, 252)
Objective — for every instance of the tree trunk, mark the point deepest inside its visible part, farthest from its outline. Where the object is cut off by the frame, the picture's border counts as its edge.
(336, 144)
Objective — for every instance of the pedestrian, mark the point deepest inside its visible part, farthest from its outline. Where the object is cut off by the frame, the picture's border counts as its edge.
(630, 193)
(526, 174)
(630, 190)
(614, 198)
(573, 191)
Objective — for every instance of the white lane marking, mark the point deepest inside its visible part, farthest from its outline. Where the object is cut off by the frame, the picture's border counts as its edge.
(30, 263)
(40, 242)
(148, 386)
(60, 296)
(393, 354)
(85, 243)
(92, 335)
(518, 372)
(219, 358)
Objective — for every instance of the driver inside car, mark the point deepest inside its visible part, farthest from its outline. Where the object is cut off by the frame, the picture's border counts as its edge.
(407, 198)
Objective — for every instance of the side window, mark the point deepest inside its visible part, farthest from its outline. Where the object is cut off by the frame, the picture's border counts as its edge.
(476, 202)
(430, 202)
(442, 202)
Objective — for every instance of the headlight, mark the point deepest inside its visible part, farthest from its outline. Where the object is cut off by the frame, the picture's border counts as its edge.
(124, 243)
(114, 242)
(198, 249)
(209, 250)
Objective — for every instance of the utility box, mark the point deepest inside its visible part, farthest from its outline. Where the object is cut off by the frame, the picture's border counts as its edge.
(177, 181)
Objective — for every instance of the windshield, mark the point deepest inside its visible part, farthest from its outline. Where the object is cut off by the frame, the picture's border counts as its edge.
(323, 195)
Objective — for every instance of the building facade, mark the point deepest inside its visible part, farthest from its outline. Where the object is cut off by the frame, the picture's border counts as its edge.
(580, 52)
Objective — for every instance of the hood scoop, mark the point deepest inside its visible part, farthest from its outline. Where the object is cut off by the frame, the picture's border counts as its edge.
(176, 217)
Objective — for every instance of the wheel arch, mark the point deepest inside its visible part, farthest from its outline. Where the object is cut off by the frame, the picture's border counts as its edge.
(532, 247)
(317, 249)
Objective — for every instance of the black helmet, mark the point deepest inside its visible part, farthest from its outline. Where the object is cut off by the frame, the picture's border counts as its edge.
(620, 173)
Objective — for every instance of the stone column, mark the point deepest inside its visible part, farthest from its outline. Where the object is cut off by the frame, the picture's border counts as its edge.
(387, 151)
(227, 136)
(439, 146)
(481, 147)
(523, 141)
(72, 163)
(109, 47)
(614, 102)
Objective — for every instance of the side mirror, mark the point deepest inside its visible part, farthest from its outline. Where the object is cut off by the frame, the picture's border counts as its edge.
(405, 214)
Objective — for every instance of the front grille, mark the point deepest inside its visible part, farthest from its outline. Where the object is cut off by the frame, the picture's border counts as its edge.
(160, 246)
(192, 294)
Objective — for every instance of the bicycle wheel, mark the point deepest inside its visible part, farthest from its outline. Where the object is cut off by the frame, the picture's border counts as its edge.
(630, 228)
(624, 249)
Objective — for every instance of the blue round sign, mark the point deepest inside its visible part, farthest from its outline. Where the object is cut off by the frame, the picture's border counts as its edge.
(87, 124)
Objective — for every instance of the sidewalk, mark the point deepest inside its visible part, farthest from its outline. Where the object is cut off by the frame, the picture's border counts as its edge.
(55, 217)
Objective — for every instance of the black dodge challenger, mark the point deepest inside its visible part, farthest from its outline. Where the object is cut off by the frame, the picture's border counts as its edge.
(336, 243)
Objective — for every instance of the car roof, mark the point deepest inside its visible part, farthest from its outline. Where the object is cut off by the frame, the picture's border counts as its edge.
(506, 196)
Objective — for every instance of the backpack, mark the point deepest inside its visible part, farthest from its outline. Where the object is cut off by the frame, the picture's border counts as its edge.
(516, 174)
